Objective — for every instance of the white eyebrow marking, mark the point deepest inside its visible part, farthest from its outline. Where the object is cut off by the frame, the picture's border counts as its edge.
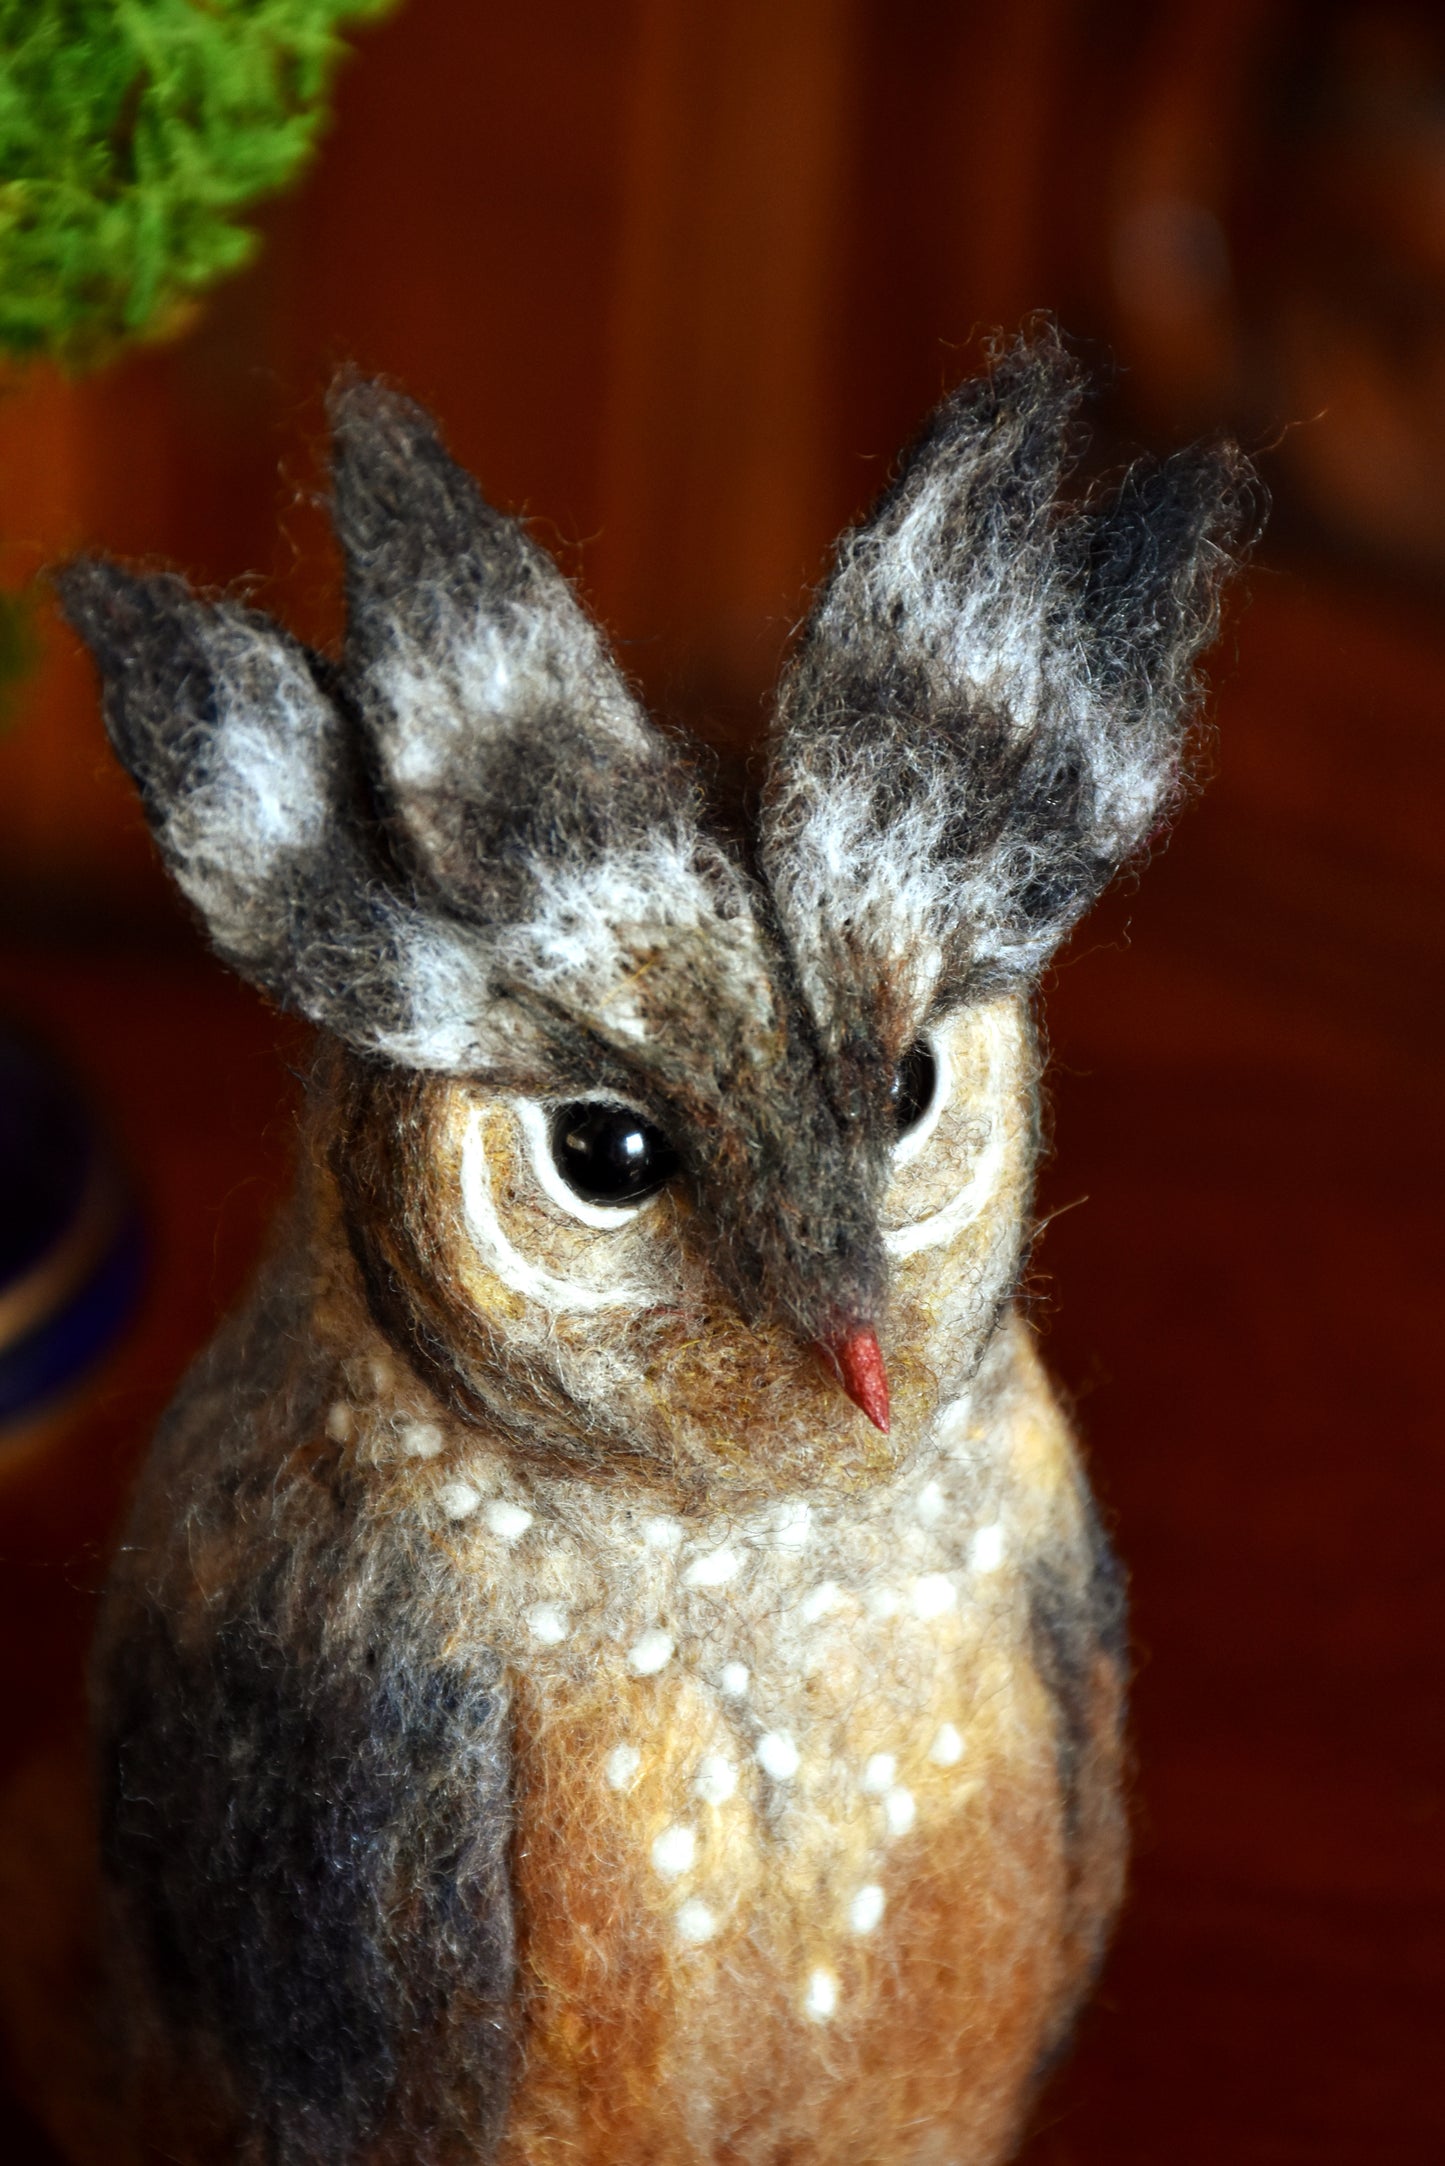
(510, 1265)
(976, 1191)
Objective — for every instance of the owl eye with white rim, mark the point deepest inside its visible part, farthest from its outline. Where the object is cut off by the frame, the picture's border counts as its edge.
(983, 1147)
(919, 1093)
(600, 1161)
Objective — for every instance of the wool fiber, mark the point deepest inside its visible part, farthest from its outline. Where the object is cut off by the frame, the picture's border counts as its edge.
(987, 711)
(539, 1720)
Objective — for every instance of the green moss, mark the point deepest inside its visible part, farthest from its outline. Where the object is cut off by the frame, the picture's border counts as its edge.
(132, 135)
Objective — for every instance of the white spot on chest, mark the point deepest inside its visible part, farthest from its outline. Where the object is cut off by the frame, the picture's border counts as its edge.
(716, 1779)
(819, 1601)
(793, 1526)
(866, 1908)
(673, 1851)
(651, 1653)
(507, 1519)
(986, 1551)
(947, 1747)
(547, 1623)
(695, 1922)
(713, 1570)
(623, 1763)
(934, 1594)
(458, 1499)
(899, 1810)
(420, 1439)
(778, 1756)
(931, 1504)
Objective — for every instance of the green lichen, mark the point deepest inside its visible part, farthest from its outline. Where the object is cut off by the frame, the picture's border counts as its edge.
(133, 134)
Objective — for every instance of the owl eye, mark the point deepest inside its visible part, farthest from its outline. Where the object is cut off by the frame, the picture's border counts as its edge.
(915, 1082)
(610, 1154)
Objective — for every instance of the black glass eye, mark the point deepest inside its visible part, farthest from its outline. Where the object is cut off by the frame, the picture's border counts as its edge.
(609, 1154)
(914, 1083)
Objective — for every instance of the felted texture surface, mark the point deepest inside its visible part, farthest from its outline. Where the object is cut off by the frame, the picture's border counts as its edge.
(132, 133)
(538, 1718)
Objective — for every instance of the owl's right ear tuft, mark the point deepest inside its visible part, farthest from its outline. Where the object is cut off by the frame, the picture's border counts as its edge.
(248, 779)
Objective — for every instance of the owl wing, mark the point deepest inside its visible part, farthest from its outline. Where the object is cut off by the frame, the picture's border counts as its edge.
(305, 1803)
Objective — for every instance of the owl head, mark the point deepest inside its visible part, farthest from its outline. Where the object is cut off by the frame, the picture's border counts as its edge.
(645, 1140)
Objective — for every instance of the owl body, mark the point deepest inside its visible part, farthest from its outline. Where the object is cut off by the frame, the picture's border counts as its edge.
(614, 1658)
(800, 1803)
(824, 1879)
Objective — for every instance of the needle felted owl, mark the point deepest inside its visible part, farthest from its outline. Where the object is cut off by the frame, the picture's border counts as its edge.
(613, 1659)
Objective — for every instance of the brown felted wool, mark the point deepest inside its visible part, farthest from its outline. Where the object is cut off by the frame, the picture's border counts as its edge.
(539, 1718)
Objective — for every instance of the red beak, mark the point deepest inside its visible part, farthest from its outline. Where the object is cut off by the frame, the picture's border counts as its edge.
(858, 1362)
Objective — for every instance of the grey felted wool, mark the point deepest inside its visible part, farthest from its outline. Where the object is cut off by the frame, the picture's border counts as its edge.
(613, 1658)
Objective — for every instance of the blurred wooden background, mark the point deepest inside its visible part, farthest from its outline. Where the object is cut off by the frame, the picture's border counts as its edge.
(679, 280)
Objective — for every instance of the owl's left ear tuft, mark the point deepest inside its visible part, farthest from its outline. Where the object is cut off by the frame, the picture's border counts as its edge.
(1156, 555)
(988, 709)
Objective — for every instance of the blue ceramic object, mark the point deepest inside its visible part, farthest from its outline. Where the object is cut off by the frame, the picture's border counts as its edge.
(70, 1244)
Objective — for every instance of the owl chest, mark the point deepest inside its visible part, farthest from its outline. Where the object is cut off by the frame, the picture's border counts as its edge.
(779, 1862)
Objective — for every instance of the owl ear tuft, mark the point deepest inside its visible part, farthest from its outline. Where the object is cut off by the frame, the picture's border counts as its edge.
(525, 791)
(465, 844)
(987, 711)
(499, 723)
(248, 779)
(216, 714)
